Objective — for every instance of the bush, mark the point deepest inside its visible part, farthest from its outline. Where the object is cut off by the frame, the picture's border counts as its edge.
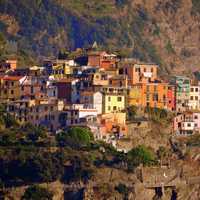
(37, 193)
(75, 137)
(123, 189)
(140, 155)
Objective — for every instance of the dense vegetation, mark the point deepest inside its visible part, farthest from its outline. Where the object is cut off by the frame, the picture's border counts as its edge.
(28, 155)
(47, 26)
(37, 193)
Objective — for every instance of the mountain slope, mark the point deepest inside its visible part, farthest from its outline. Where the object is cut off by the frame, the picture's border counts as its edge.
(165, 32)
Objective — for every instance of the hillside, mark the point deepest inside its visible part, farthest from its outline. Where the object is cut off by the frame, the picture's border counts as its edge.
(165, 32)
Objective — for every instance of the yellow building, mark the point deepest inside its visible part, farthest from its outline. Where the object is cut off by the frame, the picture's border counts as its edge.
(136, 95)
(62, 68)
(113, 102)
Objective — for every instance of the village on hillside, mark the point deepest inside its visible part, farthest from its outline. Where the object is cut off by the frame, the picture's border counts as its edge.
(97, 90)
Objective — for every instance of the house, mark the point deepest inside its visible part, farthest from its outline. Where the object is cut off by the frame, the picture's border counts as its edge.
(118, 81)
(102, 59)
(182, 85)
(136, 95)
(114, 125)
(113, 102)
(92, 99)
(67, 90)
(59, 68)
(171, 98)
(156, 95)
(39, 113)
(100, 78)
(194, 99)
(10, 87)
(140, 73)
(76, 114)
(187, 123)
(7, 65)
(152, 95)
(12, 64)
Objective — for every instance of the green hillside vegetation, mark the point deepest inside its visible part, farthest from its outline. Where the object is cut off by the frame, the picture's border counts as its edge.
(28, 155)
(48, 26)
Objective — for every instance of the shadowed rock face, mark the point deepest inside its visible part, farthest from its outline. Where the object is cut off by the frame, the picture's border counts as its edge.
(166, 32)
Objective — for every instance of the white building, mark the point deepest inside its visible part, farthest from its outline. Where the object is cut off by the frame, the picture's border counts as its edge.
(194, 101)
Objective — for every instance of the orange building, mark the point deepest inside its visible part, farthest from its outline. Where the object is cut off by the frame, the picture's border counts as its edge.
(151, 94)
(156, 95)
(12, 63)
(141, 73)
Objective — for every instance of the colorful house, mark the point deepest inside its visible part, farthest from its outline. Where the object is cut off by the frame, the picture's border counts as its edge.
(194, 97)
(92, 99)
(113, 102)
(67, 90)
(182, 85)
(10, 87)
(136, 95)
(141, 73)
(187, 123)
(171, 98)
(156, 95)
(102, 59)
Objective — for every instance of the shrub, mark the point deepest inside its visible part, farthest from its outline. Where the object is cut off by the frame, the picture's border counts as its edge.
(75, 137)
(37, 193)
(140, 155)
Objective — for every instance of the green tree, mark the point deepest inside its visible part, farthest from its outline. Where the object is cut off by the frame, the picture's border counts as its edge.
(75, 137)
(34, 133)
(140, 155)
(37, 193)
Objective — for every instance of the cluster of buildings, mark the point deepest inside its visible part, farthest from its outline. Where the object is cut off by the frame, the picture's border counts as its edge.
(95, 90)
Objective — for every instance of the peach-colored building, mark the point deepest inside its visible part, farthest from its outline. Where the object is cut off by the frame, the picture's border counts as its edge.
(141, 73)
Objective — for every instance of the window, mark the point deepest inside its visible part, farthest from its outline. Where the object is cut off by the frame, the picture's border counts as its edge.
(137, 69)
(32, 90)
(109, 98)
(12, 92)
(195, 117)
(196, 89)
(119, 98)
(189, 125)
(195, 125)
(196, 98)
(192, 89)
(191, 98)
(114, 107)
(145, 70)
(108, 107)
(152, 69)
